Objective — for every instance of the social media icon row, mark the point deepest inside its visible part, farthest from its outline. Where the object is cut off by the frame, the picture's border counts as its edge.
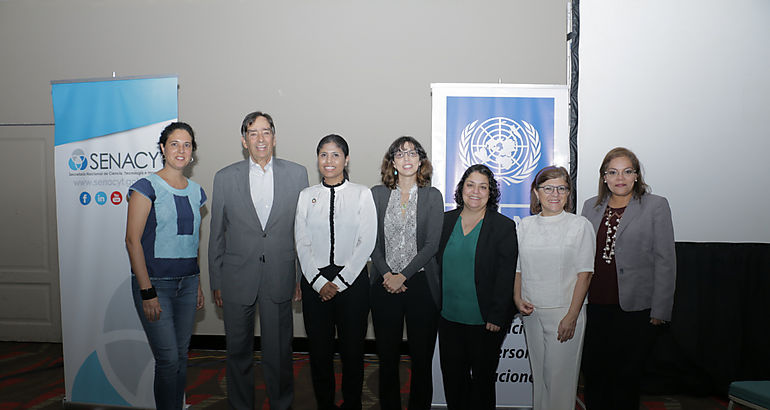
(100, 198)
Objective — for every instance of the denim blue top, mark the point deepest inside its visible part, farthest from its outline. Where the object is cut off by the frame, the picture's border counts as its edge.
(171, 234)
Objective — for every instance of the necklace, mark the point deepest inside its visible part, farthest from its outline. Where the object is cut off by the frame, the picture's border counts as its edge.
(405, 202)
(608, 253)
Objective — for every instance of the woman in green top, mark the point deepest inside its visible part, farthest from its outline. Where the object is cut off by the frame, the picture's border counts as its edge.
(477, 254)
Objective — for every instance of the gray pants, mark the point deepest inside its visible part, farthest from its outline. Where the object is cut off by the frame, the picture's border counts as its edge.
(276, 332)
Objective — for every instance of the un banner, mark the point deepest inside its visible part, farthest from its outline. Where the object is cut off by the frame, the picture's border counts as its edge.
(105, 139)
(511, 150)
(515, 131)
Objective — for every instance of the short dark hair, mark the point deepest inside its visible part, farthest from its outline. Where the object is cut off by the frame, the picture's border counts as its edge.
(550, 172)
(339, 142)
(424, 173)
(251, 117)
(640, 188)
(494, 188)
(173, 127)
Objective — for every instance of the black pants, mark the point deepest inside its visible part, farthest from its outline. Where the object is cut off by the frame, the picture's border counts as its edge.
(416, 305)
(469, 358)
(616, 346)
(347, 312)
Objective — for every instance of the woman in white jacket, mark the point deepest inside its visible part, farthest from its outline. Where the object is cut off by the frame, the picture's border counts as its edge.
(556, 258)
(335, 229)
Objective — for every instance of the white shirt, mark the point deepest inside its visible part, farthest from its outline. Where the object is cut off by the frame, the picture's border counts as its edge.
(261, 187)
(552, 251)
(355, 232)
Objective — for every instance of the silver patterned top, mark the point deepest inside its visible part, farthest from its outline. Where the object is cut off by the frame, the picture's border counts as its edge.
(400, 228)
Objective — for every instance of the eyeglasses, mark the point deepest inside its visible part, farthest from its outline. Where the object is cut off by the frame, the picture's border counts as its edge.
(612, 172)
(549, 189)
(411, 154)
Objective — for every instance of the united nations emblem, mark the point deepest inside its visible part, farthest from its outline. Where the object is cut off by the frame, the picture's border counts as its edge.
(509, 148)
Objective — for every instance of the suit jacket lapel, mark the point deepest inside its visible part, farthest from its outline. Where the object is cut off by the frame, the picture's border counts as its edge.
(244, 191)
(278, 191)
(483, 241)
(596, 213)
(422, 201)
(633, 209)
(450, 219)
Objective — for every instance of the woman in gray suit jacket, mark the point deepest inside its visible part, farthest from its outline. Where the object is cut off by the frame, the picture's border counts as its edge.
(632, 289)
(404, 276)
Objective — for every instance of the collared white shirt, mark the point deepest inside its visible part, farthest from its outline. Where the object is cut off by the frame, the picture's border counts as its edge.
(261, 186)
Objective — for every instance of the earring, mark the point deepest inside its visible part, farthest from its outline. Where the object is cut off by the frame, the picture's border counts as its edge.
(395, 172)
(191, 160)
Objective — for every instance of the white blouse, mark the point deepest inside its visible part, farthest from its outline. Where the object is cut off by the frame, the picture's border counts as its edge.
(552, 251)
(355, 231)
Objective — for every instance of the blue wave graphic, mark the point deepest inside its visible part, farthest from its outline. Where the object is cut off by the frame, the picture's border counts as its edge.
(85, 110)
(91, 385)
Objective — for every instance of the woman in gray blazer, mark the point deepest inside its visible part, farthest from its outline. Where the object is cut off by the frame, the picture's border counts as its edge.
(404, 277)
(632, 289)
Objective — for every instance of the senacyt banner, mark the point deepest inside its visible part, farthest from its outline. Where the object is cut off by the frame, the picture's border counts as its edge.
(515, 130)
(106, 137)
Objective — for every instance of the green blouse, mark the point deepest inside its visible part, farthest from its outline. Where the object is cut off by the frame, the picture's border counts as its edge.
(460, 303)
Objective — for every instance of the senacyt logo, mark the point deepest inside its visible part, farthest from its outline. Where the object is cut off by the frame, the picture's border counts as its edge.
(78, 161)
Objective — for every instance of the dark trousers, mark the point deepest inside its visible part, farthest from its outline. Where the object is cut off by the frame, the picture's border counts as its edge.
(416, 305)
(469, 358)
(616, 345)
(347, 312)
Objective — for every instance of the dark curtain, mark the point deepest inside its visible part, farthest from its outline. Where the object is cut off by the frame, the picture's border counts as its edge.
(574, 38)
(720, 327)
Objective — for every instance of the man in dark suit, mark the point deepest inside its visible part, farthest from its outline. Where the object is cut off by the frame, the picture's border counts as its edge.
(252, 262)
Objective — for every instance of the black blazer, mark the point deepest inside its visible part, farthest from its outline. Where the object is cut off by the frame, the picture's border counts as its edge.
(430, 210)
(496, 253)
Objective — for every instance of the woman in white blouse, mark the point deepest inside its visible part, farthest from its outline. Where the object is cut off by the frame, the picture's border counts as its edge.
(556, 258)
(335, 230)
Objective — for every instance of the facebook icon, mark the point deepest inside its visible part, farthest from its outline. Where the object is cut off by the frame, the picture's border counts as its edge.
(85, 198)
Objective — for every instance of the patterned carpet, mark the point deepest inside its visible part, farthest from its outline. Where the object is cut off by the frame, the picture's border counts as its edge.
(32, 377)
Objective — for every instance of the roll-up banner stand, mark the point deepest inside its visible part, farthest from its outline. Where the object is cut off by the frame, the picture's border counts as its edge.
(106, 137)
(515, 130)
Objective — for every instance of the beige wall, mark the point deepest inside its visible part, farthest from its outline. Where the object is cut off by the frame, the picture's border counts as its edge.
(358, 68)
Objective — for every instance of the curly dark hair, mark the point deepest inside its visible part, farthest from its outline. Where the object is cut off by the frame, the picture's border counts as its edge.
(173, 127)
(494, 188)
(424, 173)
